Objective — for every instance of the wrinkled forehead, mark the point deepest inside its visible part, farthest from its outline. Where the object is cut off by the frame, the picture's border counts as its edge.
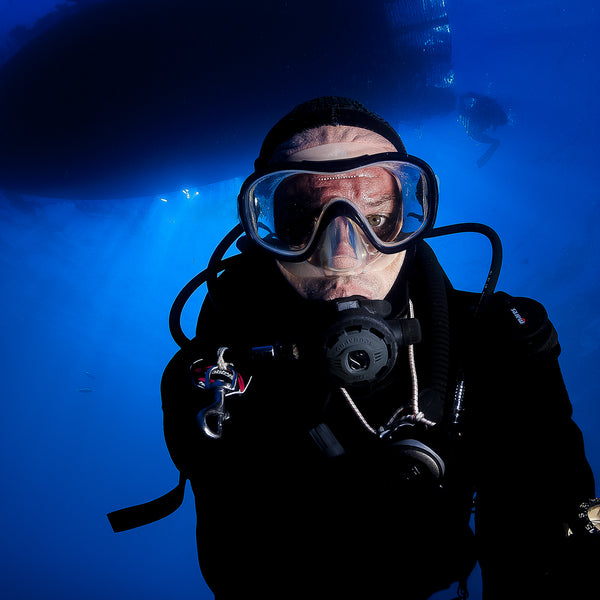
(368, 184)
(367, 178)
(331, 142)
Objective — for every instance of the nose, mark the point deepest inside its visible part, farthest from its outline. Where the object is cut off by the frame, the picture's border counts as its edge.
(342, 247)
(343, 236)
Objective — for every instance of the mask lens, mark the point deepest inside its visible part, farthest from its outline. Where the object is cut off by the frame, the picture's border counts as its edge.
(288, 210)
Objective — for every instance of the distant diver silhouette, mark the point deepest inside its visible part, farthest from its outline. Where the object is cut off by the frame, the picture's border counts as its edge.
(479, 113)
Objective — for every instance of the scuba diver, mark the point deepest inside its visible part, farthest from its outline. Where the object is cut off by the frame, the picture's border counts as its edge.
(342, 410)
(478, 114)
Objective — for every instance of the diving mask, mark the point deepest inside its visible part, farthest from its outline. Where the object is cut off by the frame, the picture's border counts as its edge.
(339, 215)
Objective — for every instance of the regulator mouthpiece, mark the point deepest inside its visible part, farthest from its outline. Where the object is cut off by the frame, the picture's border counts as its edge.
(361, 345)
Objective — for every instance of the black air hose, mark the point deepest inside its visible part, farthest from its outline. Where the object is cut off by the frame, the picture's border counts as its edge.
(436, 283)
(216, 264)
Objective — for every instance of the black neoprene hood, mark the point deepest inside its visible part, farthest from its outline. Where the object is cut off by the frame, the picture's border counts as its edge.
(327, 110)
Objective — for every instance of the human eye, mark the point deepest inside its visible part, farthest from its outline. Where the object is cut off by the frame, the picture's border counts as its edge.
(385, 225)
(377, 220)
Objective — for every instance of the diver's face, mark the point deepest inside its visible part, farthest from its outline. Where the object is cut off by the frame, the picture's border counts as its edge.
(344, 263)
(372, 191)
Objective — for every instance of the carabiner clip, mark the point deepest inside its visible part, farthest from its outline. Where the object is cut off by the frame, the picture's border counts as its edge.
(223, 381)
(214, 412)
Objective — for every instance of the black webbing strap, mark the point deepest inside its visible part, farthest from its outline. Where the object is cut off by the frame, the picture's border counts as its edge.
(143, 514)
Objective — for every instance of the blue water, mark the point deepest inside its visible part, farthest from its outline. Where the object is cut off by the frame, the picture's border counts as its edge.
(87, 286)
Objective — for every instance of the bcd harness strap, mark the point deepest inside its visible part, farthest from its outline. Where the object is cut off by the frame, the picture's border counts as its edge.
(143, 514)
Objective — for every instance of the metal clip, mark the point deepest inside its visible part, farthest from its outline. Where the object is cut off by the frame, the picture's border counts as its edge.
(211, 419)
(223, 381)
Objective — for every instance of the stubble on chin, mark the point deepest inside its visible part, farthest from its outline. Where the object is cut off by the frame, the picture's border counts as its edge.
(331, 288)
(373, 284)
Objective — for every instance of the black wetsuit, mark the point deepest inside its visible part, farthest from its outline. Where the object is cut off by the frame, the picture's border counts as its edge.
(278, 518)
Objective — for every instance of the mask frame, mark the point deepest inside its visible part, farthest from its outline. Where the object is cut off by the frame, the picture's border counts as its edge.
(341, 207)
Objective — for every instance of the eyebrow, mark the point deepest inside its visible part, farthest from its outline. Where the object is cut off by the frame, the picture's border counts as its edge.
(376, 202)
